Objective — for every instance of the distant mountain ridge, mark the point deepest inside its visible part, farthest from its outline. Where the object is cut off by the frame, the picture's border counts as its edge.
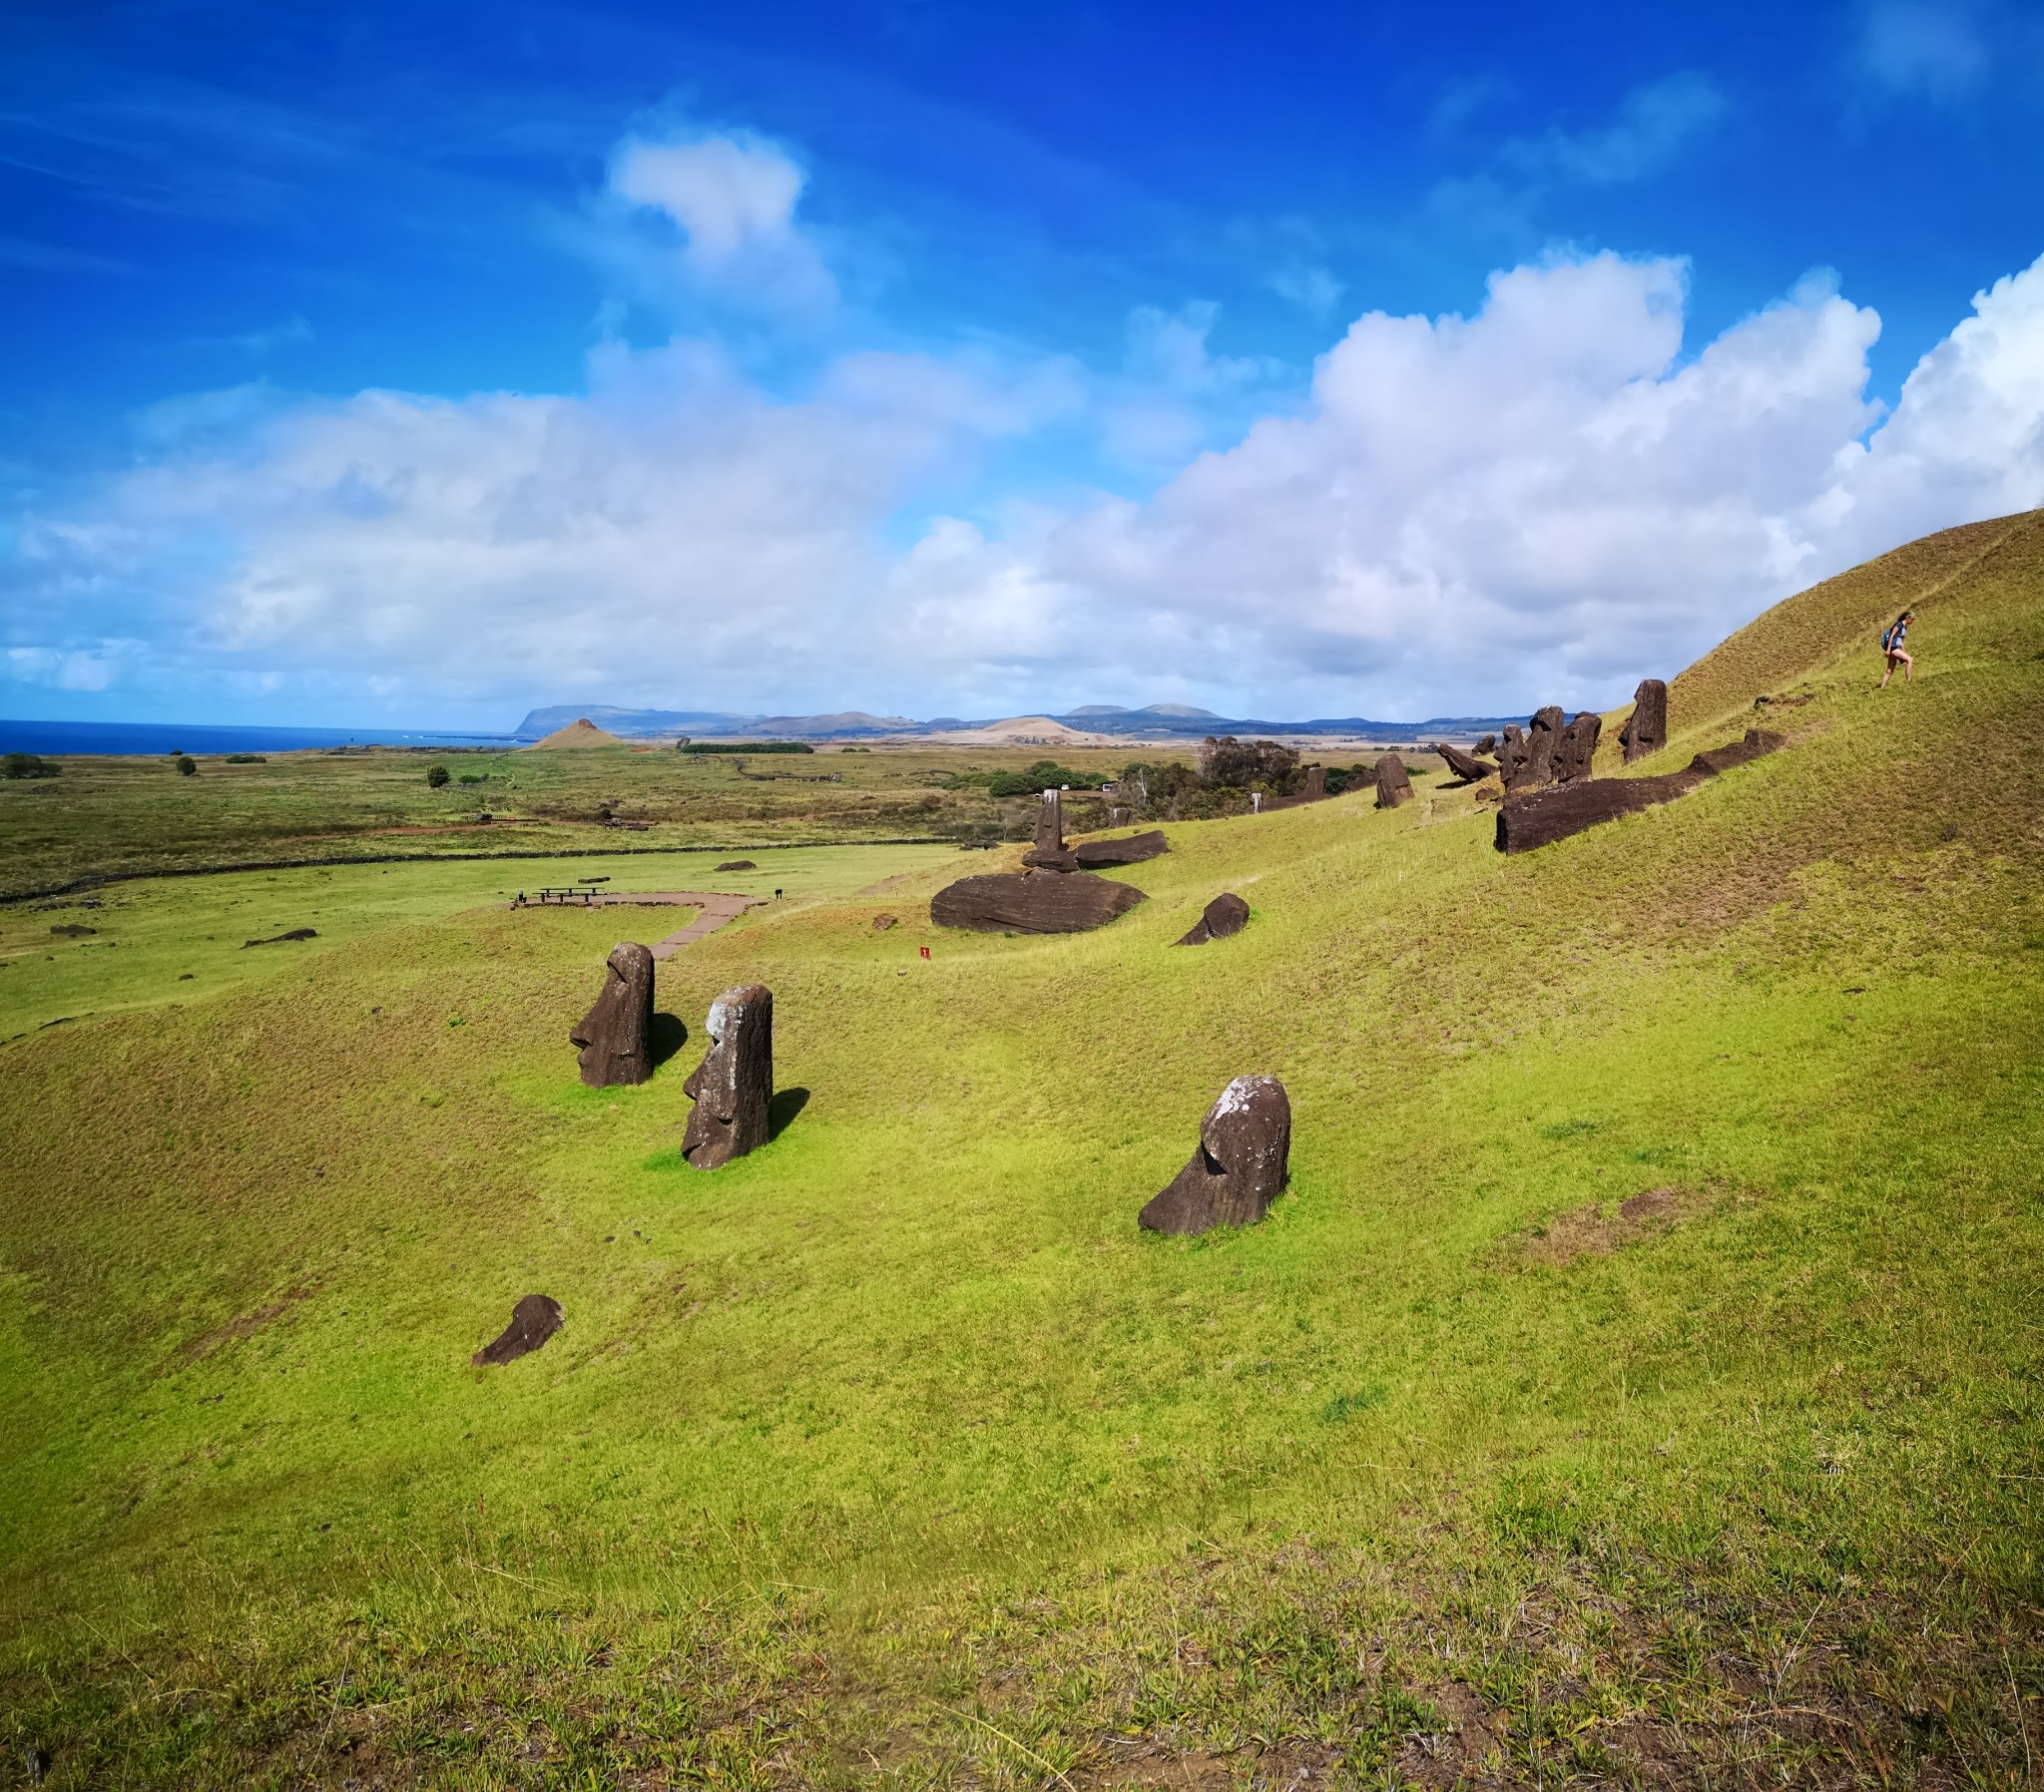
(1158, 719)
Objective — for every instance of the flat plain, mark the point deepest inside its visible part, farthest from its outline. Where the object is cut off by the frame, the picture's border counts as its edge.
(1639, 1382)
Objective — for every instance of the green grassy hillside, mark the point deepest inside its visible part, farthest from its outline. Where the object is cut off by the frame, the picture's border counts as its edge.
(895, 1454)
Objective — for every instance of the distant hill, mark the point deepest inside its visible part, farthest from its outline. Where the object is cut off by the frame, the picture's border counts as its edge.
(1156, 720)
(579, 733)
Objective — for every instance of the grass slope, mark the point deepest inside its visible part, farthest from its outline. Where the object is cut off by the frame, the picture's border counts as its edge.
(894, 1453)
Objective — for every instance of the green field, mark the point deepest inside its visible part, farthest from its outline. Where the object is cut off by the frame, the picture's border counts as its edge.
(894, 1454)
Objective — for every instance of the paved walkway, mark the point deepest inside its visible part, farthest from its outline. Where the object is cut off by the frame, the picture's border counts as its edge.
(716, 908)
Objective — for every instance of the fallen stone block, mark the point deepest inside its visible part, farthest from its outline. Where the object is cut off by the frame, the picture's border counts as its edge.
(616, 1035)
(1394, 786)
(1646, 730)
(733, 1088)
(1093, 856)
(1240, 1165)
(534, 1320)
(1539, 817)
(1759, 743)
(1031, 902)
(278, 939)
(1225, 917)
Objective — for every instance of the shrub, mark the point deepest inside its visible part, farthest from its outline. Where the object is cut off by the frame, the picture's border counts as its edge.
(745, 746)
(437, 776)
(1226, 764)
(1045, 774)
(30, 765)
(186, 765)
(247, 759)
(475, 778)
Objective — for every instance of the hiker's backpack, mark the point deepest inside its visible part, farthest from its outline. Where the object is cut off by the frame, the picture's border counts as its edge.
(1887, 638)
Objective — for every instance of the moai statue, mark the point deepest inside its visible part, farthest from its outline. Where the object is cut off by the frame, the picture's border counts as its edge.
(1577, 747)
(1646, 730)
(733, 1086)
(1238, 1170)
(616, 1035)
(1394, 785)
(1315, 783)
(1049, 854)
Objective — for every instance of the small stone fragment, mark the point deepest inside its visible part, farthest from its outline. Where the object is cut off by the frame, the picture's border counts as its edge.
(1225, 917)
(1238, 1170)
(534, 1320)
(1032, 902)
(733, 1086)
(1646, 730)
(1132, 849)
(1394, 786)
(616, 1035)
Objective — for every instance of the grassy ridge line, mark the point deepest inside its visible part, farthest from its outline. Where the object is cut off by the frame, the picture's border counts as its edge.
(98, 881)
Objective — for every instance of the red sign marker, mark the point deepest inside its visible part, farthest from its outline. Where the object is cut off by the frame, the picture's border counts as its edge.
(926, 952)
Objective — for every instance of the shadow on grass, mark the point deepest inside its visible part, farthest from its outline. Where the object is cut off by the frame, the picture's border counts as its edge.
(780, 1112)
(670, 1033)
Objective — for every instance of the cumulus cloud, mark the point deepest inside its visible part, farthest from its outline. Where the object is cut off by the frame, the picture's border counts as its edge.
(1653, 124)
(1928, 48)
(1543, 500)
(733, 199)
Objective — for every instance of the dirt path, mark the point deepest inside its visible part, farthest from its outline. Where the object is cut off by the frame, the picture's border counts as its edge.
(716, 909)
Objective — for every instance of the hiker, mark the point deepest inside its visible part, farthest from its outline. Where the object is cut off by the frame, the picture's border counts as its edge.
(1892, 646)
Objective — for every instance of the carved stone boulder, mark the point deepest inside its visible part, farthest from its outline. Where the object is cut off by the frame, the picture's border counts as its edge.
(1394, 786)
(1646, 730)
(733, 1086)
(1239, 1168)
(1759, 743)
(1316, 785)
(1133, 849)
(1031, 902)
(1488, 744)
(1577, 747)
(1465, 766)
(534, 1320)
(1225, 917)
(1511, 754)
(1542, 732)
(616, 1035)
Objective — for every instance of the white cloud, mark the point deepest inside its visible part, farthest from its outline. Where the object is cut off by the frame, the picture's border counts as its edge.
(1541, 501)
(733, 198)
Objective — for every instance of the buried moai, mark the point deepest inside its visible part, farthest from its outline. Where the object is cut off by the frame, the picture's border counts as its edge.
(1576, 749)
(1238, 1170)
(733, 1088)
(534, 1320)
(1394, 785)
(1225, 917)
(1646, 730)
(1465, 766)
(1048, 853)
(616, 1035)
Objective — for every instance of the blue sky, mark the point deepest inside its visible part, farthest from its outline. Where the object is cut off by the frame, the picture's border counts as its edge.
(933, 358)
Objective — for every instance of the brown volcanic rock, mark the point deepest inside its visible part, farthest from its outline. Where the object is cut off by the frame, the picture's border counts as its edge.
(1393, 785)
(1133, 849)
(1225, 917)
(534, 1320)
(1316, 784)
(1488, 744)
(616, 1034)
(1238, 1170)
(1646, 730)
(1577, 747)
(734, 1084)
(1759, 743)
(1539, 817)
(1031, 902)
(1511, 754)
(1542, 732)
(1465, 766)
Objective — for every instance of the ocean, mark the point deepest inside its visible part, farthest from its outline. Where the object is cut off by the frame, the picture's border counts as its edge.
(155, 739)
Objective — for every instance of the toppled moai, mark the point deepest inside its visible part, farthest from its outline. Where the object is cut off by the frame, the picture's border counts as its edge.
(1394, 786)
(616, 1035)
(1129, 850)
(1048, 853)
(1577, 747)
(534, 1320)
(733, 1086)
(1225, 917)
(1031, 902)
(1238, 1170)
(1646, 730)
(1535, 818)
(1465, 766)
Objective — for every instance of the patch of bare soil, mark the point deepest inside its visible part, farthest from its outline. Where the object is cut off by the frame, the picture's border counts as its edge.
(1590, 1231)
(1133, 1761)
(247, 1326)
(1461, 1748)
